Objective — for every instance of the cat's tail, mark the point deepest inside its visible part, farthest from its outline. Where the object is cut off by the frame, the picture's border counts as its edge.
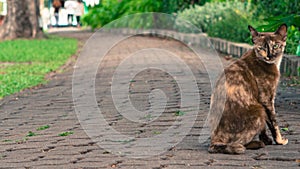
(233, 148)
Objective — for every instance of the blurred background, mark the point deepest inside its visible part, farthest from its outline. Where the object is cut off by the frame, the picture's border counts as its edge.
(218, 18)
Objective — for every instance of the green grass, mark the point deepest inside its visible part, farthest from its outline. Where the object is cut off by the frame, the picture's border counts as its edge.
(24, 63)
(44, 50)
(43, 127)
(67, 133)
(31, 134)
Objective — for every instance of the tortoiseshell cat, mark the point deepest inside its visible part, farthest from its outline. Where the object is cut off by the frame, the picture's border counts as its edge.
(243, 101)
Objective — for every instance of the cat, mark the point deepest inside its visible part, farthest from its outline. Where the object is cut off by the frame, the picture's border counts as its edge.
(242, 104)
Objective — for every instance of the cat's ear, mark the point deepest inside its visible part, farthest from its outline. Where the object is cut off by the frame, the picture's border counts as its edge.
(253, 32)
(282, 31)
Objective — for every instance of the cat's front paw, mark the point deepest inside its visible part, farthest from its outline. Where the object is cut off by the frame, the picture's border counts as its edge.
(282, 141)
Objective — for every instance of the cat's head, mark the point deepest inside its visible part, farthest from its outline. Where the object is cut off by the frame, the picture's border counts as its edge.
(269, 46)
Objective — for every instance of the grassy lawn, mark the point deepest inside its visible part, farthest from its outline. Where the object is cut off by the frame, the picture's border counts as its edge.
(24, 63)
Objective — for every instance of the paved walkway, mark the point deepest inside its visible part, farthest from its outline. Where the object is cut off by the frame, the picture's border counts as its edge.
(52, 104)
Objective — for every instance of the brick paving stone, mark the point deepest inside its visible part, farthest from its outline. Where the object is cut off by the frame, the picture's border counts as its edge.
(52, 104)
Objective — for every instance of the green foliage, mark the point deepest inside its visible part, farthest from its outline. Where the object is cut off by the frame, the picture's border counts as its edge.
(102, 14)
(144, 21)
(293, 40)
(179, 5)
(206, 16)
(229, 19)
(270, 8)
(226, 20)
(110, 10)
(24, 63)
(236, 31)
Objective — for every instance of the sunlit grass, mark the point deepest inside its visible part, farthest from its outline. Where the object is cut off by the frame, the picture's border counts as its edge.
(44, 50)
(24, 63)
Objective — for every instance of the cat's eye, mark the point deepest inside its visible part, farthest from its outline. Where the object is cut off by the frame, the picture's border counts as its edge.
(275, 46)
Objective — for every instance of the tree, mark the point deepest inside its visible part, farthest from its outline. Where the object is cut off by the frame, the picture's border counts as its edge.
(21, 20)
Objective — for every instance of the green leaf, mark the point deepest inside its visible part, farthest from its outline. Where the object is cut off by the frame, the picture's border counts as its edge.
(67, 133)
(30, 134)
(43, 127)
(179, 113)
(285, 129)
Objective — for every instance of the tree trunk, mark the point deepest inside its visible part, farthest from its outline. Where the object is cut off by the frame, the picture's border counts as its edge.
(21, 20)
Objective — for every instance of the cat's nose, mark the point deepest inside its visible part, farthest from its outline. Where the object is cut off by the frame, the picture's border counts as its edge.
(270, 56)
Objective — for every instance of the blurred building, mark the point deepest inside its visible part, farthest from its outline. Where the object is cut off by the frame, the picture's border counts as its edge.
(3, 10)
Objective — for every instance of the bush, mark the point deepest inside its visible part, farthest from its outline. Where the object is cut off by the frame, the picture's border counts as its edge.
(293, 40)
(229, 20)
(218, 18)
(233, 27)
(271, 8)
(226, 20)
(110, 10)
(101, 15)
